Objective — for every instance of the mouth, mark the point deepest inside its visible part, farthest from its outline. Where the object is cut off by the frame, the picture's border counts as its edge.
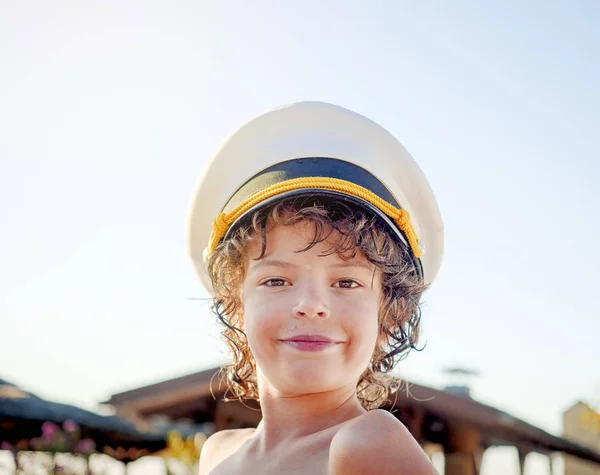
(310, 342)
(314, 338)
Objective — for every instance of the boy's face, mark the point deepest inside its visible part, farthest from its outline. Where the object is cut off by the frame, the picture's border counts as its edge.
(292, 297)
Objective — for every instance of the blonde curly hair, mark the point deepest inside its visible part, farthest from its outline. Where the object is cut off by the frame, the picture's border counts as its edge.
(355, 230)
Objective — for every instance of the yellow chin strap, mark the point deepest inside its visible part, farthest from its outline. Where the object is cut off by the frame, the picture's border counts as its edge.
(400, 216)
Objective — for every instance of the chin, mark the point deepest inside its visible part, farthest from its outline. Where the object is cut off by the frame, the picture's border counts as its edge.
(304, 379)
(306, 387)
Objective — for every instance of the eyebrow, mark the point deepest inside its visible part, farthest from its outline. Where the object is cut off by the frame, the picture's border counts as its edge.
(271, 263)
(365, 265)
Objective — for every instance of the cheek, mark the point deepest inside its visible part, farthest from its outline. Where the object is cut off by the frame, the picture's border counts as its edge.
(361, 325)
(261, 325)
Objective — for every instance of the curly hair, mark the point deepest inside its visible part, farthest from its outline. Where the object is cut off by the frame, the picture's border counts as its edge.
(354, 230)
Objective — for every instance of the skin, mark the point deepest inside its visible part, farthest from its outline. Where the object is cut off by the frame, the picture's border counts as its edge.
(312, 419)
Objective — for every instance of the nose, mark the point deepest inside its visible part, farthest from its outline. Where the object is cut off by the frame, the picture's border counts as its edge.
(311, 303)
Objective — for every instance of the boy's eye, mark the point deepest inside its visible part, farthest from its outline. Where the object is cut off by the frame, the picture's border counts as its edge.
(275, 283)
(347, 284)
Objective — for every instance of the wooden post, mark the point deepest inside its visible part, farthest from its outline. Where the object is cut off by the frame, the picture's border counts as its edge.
(416, 424)
(477, 460)
(464, 452)
(522, 457)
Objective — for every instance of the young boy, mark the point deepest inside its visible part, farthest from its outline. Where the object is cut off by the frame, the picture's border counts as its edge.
(316, 233)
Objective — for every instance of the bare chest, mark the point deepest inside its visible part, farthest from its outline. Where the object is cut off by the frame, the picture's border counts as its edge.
(310, 461)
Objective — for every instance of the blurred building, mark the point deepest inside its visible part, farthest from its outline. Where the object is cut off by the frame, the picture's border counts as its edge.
(447, 421)
(581, 424)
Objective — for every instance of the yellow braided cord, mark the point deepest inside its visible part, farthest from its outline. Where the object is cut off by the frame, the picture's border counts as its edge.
(400, 216)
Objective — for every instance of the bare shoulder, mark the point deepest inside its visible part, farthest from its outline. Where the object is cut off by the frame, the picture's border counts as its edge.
(220, 446)
(377, 443)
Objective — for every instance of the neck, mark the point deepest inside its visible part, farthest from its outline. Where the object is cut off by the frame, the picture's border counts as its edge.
(288, 418)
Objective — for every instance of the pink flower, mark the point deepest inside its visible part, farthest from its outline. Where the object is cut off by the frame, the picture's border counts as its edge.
(70, 425)
(6, 446)
(85, 446)
(49, 430)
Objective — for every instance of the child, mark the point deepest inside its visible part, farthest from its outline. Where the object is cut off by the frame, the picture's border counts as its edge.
(316, 233)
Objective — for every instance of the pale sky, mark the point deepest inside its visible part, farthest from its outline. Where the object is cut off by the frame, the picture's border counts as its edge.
(109, 111)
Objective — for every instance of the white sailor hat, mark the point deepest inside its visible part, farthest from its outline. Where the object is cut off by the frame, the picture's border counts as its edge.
(318, 149)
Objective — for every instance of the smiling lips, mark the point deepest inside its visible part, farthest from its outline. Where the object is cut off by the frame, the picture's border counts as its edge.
(310, 342)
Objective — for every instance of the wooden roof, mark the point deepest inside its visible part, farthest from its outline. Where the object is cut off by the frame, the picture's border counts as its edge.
(441, 408)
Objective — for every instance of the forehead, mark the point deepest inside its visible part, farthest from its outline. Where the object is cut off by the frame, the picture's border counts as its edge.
(303, 239)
